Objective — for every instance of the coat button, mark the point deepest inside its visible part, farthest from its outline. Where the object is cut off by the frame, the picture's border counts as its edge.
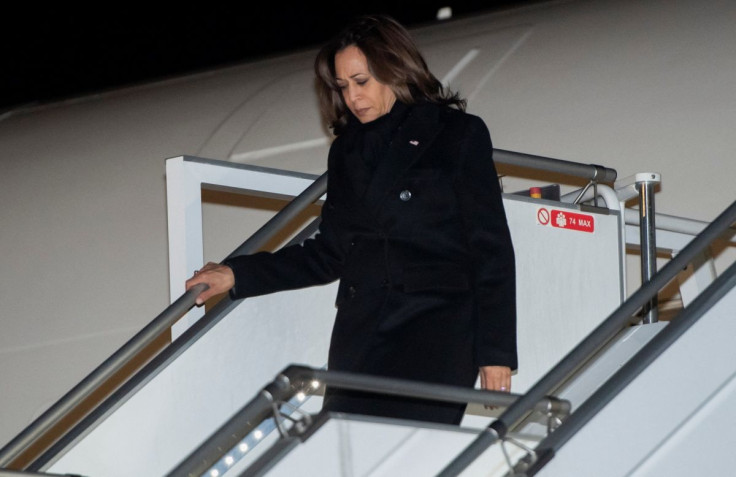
(351, 291)
(405, 195)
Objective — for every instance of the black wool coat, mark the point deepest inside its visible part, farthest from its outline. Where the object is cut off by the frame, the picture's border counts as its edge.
(425, 261)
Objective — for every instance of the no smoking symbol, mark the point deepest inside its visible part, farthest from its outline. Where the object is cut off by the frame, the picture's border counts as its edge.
(543, 216)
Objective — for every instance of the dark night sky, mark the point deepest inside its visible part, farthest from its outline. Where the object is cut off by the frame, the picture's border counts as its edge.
(55, 53)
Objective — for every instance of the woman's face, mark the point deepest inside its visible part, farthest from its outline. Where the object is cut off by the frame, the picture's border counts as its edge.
(366, 98)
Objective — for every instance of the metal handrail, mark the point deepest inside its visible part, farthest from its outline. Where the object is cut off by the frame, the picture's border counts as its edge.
(44, 423)
(99, 376)
(17, 473)
(677, 224)
(633, 367)
(591, 172)
(190, 336)
(590, 345)
(71, 400)
(309, 196)
(295, 378)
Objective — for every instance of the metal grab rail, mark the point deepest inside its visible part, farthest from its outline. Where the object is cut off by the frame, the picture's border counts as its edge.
(14, 473)
(44, 423)
(591, 344)
(591, 172)
(100, 375)
(673, 223)
(261, 236)
(633, 367)
(295, 378)
(40, 427)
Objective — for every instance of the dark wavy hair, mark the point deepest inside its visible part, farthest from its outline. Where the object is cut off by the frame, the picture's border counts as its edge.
(393, 59)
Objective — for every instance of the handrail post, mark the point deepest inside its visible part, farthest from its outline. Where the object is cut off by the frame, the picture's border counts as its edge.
(648, 241)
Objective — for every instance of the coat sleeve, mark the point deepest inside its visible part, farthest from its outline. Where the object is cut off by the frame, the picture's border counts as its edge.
(316, 261)
(489, 241)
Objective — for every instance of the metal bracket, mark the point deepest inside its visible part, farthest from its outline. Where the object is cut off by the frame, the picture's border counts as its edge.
(555, 416)
(557, 411)
(626, 188)
(593, 183)
(298, 425)
(521, 464)
(553, 422)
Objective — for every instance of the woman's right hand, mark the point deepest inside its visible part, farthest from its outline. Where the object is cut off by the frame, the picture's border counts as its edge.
(219, 278)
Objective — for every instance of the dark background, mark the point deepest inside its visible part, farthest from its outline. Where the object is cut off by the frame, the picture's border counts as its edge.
(53, 53)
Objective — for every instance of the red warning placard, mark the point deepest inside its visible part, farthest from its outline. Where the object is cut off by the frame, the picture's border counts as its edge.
(564, 219)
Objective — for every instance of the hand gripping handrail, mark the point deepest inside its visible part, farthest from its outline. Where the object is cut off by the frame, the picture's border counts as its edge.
(203, 325)
(590, 345)
(53, 416)
(46, 421)
(44, 424)
(295, 378)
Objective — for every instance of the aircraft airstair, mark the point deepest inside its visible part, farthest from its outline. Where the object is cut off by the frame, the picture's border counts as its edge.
(604, 388)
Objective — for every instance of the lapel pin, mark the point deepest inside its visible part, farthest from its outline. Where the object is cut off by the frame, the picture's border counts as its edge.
(414, 143)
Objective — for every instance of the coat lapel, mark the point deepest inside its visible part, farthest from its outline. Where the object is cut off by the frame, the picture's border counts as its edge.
(417, 133)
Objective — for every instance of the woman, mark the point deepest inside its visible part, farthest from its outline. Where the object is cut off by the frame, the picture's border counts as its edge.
(413, 226)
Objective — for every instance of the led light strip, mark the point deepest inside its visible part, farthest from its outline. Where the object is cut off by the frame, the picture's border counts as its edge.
(257, 435)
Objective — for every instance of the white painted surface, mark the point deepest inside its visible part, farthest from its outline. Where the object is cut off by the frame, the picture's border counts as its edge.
(168, 418)
(633, 85)
(567, 282)
(353, 447)
(199, 391)
(184, 182)
(673, 419)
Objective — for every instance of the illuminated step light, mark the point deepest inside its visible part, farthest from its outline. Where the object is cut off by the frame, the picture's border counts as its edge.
(245, 446)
